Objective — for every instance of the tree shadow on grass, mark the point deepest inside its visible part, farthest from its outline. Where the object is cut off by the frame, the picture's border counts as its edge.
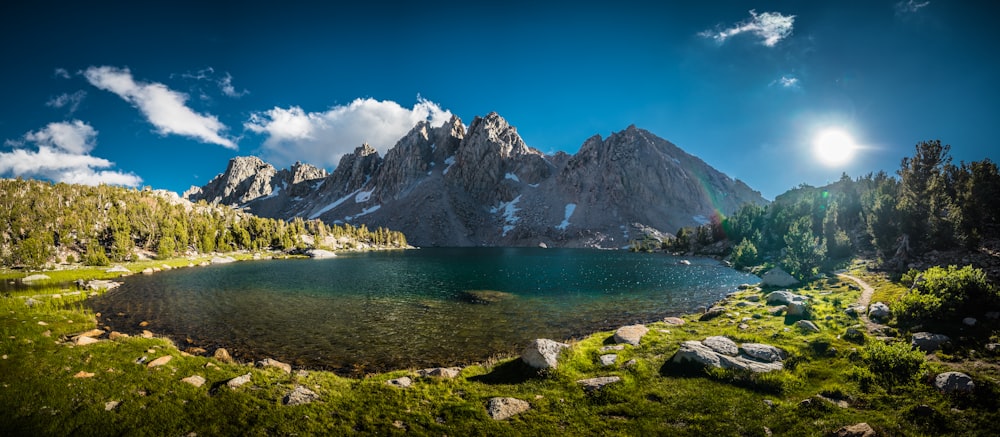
(511, 372)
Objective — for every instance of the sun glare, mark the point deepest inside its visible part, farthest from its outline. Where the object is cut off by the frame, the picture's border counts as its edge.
(834, 147)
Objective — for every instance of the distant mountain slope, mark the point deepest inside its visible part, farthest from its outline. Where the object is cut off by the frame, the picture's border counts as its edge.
(446, 186)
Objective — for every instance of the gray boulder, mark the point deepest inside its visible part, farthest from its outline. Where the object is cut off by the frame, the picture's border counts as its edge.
(797, 309)
(784, 297)
(630, 334)
(696, 352)
(712, 313)
(594, 384)
(219, 260)
(505, 408)
(929, 342)
(721, 345)
(777, 277)
(440, 372)
(969, 321)
(807, 326)
(401, 382)
(954, 382)
(238, 381)
(300, 395)
(879, 311)
(320, 254)
(762, 352)
(608, 359)
(756, 357)
(542, 353)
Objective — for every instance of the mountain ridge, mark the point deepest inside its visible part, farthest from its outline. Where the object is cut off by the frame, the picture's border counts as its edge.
(452, 186)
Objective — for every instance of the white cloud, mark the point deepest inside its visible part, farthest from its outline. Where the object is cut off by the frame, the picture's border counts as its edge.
(62, 156)
(910, 7)
(61, 73)
(224, 83)
(69, 101)
(163, 107)
(786, 81)
(321, 138)
(770, 27)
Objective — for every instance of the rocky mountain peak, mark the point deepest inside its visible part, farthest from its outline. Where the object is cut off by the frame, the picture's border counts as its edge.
(355, 170)
(246, 178)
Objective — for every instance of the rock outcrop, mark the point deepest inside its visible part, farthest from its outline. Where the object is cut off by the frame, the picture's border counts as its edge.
(448, 186)
(723, 353)
(543, 353)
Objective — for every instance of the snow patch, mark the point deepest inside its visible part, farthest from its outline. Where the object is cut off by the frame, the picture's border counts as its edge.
(533, 185)
(512, 177)
(702, 220)
(450, 161)
(363, 212)
(570, 208)
(332, 205)
(509, 210)
(676, 160)
(363, 196)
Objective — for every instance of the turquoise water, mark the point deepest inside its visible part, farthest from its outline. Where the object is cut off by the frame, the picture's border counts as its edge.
(386, 310)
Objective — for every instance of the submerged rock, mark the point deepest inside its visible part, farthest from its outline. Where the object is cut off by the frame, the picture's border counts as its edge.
(485, 296)
(542, 353)
(504, 408)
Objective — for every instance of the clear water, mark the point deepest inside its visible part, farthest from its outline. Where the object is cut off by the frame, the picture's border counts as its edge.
(386, 310)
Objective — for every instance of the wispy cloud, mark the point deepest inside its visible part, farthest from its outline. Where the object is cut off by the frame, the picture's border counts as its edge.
(787, 81)
(164, 108)
(61, 73)
(321, 138)
(68, 101)
(225, 83)
(61, 152)
(910, 7)
(770, 27)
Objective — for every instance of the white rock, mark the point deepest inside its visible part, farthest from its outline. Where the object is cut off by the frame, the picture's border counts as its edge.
(505, 408)
(542, 353)
(763, 352)
(300, 395)
(722, 345)
(401, 382)
(608, 359)
(879, 311)
(777, 277)
(630, 334)
(268, 362)
(238, 381)
(440, 372)
(195, 380)
(35, 277)
(320, 254)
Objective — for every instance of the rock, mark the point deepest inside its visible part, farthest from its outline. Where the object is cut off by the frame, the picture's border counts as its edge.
(115, 335)
(630, 334)
(148, 271)
(993, 315)
(159, 361)
(222, 354)
(807, 326)
(195, 380)
(401, 382)
(196, 351)
(777, 277)
(697, 352)
(608, 359)
(969, 321)
(268, 362)
(299, 396)
(675, 321)
(485, 296)
(111, 405)
(721, 345)
(753, 298)
(797, 309)
(35, 277)
(763, 352)
(82, 374)
(613, 347)
(879, 311)
(856, 430)
(238, 381)
(542, 353)
(594, 384)
(90, 333)
(684, 262)
(630, 363)
(993, 347)
(223, 260)
(746, 287)
(440, 372)
(117, 269)
(147, 333)
(504, 408)
(954, 382)
(83, 341)
(854, 333)
(30, 302)
(98, 284)
(929, 342)
(712, 313)
(784, 297)
(320, 254)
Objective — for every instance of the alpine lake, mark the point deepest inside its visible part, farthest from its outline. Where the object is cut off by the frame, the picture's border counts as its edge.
(376, 311)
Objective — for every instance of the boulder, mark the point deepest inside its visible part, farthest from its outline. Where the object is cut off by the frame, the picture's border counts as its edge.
(542, 353)
(784, 297)
(594, 384)
(613, 347)
(268, 362)
(608, 359)
(195, 380)
(879, 311)
(856, 430)
(83, 341)
(721, 345)
(111, 405)
(222, 354)
(320, 254)
(676, 321)
(969, 321)
(763, 352)
(35, 277)
(221, 260)
(148, 271)
(300, 395)
(807, 326)
(440, 372)
(630, 334)
(696, 352)
(98, 284)
(401, 382)
(777, 277)
(797, 309)
(238, 381)
(505, 408)
(954, 382)
(712, 313)
(929, 342)
(115, 335)
(159, 361)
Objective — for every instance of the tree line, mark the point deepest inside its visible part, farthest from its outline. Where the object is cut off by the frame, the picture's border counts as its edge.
(930, 204)
(42, 222)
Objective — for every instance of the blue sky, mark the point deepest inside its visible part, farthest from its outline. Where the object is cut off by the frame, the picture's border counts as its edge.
(163, 94)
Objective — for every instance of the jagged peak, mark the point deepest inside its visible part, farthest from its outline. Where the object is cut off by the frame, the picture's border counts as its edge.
(365, 149)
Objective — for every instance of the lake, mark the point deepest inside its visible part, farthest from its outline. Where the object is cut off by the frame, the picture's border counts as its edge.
(376, 311)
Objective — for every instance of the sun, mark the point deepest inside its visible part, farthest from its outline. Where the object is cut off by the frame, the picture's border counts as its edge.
(834, 147)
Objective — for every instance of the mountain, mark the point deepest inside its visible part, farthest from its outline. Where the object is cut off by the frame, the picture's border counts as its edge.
(448, 186)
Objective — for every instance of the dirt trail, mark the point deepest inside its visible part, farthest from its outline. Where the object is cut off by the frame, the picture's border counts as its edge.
(866, 299)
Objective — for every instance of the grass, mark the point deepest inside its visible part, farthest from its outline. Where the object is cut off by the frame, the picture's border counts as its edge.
(40, 395)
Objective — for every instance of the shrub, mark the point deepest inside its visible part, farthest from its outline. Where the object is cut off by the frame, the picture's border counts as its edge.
(745, 254)
(941, 293)
(95, 255)
(890, 365)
